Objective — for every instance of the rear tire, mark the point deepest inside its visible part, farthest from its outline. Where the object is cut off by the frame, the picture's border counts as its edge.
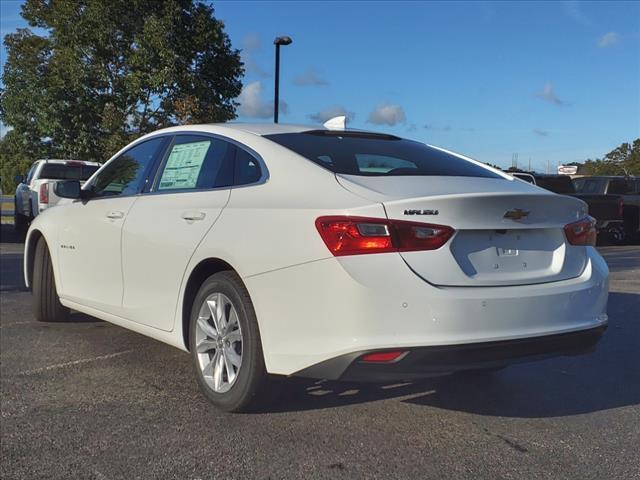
(20, 222)
(46, 303)
(223, 326)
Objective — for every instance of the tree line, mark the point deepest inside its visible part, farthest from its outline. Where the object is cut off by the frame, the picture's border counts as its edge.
(107, 72)
(623, 160)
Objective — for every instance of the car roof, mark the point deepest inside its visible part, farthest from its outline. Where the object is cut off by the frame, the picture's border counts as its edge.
(260, 129)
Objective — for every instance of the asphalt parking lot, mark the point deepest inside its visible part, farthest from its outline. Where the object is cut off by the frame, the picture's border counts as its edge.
(86, 399)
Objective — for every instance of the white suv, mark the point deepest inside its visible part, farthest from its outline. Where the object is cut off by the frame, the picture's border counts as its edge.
(286, 250)
(35, 192)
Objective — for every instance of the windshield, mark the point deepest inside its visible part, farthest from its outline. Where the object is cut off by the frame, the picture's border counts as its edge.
(67, 171)
(366, 154)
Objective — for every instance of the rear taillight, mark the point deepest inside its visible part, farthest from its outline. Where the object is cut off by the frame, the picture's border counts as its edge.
(44, 193)
(346, 235)
(582, 232)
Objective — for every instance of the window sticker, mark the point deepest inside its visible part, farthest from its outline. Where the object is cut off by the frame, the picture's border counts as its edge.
(184, 165)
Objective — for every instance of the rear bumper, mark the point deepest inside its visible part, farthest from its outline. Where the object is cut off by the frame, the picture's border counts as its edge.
(323, 310)
(420, 362)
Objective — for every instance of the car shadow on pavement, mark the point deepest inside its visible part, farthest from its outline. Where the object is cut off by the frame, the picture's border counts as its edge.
(605, 379)
(8, 234)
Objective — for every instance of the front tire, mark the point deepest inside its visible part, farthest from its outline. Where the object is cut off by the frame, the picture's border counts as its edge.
(225, 345)
(46, 303)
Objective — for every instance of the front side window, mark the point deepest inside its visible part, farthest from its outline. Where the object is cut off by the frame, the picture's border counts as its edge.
(369, 154)
(125, 174)
(197, 162)
(621, 187)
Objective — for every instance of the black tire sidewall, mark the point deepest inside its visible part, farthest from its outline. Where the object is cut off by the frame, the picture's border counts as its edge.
(252, 373)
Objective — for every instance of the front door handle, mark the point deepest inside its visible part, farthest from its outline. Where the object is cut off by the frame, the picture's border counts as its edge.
(115, 214)
(193, 216)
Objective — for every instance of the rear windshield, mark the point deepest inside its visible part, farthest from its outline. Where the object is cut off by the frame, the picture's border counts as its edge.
(354, 153)
(556, 184)
(68, 171)
(589, 185)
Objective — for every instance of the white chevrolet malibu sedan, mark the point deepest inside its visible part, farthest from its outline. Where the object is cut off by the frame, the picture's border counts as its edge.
(286, 250)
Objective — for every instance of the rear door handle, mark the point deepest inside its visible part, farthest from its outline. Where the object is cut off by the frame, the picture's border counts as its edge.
(193, 216)
(115, 214)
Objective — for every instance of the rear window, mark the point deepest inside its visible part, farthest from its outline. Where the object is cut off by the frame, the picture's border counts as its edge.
(561, 184)
(588, 185)
(355, 153)
(62, 171)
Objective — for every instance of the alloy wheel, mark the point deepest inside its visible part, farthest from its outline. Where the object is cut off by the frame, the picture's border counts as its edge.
(219, 342)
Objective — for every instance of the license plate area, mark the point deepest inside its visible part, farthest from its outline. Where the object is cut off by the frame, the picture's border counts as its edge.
(509, 254)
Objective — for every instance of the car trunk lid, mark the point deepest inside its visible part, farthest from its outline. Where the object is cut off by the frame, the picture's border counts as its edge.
(507, 232)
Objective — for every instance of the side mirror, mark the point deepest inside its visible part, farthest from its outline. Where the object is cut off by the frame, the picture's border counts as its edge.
(67, 189)
(18, 179)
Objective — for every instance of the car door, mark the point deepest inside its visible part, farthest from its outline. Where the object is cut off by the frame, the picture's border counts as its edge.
(166, 224)
(90, 238)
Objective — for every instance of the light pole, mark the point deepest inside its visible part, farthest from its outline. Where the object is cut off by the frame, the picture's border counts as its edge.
(277, 42)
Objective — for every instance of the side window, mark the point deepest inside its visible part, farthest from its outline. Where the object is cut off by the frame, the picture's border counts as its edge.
(197, 162)
(125, 174)
(619, 187)
(247, 168)
(32, 170)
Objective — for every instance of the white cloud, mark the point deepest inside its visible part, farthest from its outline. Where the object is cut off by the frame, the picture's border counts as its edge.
(310, 77)
(608, 39)
(252, 67)
(549, 95)
(251, 44)
(387, 114)
(540, 132)
(330, 112)
(253, 105)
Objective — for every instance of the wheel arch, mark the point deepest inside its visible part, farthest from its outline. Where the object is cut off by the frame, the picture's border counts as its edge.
(198, 275)
(33, 238)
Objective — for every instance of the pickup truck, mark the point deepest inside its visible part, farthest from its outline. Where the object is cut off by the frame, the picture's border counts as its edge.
(35, 193)
(606, 209)
(614, 200)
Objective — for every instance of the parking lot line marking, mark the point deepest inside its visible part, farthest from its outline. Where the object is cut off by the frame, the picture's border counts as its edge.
(70, 364)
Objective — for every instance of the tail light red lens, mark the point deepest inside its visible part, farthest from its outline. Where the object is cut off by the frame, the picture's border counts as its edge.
(582, 232)
(383, 357)
(44, 193)
(346, 235)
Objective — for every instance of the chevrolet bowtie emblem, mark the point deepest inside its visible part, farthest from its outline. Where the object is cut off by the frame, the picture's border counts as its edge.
(516, 214)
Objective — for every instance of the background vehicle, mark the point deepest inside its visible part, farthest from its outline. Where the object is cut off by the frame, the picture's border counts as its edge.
(287, 250)
(561, 184)
(36, 193)
(608, 194)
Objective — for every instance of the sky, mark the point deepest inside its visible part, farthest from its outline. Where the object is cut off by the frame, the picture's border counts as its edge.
(553, 82)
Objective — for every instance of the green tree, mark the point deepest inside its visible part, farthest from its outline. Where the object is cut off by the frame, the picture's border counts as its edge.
(110, 71)
(623, 160)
